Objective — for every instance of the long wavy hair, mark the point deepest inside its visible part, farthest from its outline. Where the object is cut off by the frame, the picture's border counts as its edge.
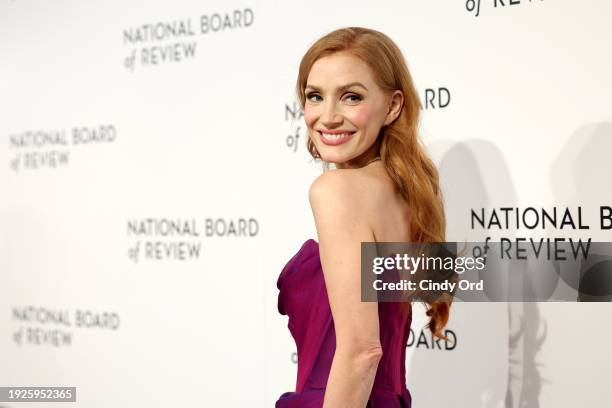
(414, 174)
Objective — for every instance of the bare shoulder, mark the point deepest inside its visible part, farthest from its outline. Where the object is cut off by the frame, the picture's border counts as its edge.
(364, 189)
(365, 198)
(349, 200)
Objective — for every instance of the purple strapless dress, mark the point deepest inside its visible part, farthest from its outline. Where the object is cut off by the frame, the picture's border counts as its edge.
(303, 298)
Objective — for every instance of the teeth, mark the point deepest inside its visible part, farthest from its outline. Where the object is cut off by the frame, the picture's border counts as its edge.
(334, 137)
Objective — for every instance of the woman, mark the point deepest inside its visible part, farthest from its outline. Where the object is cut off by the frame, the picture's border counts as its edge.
(362, 110)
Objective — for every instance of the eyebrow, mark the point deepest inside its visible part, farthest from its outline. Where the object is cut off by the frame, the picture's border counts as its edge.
(340, 88)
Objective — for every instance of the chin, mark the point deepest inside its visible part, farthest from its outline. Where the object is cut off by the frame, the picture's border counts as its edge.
(333, 158)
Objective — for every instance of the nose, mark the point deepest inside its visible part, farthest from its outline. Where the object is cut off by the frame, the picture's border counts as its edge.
(331, 117)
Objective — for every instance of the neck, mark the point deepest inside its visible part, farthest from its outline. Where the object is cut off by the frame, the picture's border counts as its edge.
(359, 162)
(371, 155)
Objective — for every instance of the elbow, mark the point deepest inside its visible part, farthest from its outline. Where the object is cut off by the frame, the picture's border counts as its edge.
(366, 357)
(374, 354)
(370, 358)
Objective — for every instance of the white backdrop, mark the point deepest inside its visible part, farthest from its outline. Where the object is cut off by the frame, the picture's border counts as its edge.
(113, 127)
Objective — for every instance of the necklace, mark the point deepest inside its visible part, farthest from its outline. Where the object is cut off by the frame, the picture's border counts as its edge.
(372, 160)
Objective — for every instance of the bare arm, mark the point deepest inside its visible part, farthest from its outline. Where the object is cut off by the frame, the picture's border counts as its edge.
(341, 222)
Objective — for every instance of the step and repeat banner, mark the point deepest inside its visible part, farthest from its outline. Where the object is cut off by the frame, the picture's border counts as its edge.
(154, 179)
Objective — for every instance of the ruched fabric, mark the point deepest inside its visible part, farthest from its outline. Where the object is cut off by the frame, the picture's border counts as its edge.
(303, 298)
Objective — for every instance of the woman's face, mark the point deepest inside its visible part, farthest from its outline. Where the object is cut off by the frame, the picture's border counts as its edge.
(345, 109)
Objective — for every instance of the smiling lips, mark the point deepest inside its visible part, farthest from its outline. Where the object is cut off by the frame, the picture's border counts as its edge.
(335, 138)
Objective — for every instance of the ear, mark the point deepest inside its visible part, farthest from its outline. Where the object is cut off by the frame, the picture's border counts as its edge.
(395, 106)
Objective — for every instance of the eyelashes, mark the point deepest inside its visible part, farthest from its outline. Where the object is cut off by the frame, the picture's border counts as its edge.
(351, 95)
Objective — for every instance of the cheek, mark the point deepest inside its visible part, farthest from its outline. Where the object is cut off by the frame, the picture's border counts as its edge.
(310, 123)
(361, 116)
(309, 117)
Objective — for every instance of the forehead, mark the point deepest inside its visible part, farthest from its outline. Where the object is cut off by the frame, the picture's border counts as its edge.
(338, 69)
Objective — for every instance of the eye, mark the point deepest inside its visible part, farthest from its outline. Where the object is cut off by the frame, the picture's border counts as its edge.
(352, 97)
(358, 97)
(308, 96)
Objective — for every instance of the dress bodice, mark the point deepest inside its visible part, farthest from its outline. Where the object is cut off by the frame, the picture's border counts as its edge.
(303, 298)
